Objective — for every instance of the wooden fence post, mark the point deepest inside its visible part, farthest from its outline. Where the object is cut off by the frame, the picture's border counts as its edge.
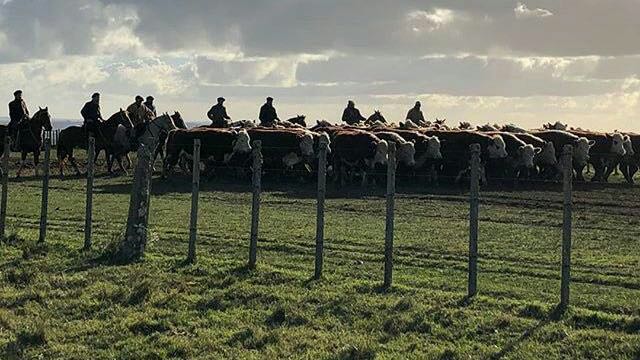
(88, 217)
(391, 194)
(45, 187)
(5, 186)
(255, 205)
(474, 201)
(322, 191)
(135, 240)
(195, 193)
(566, 226)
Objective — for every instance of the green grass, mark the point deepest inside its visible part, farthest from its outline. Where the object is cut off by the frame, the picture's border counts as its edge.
(57, 301)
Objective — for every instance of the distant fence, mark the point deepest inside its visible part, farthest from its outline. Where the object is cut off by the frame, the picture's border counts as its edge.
(474, 210)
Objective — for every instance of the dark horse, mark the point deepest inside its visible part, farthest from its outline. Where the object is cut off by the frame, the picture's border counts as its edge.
(299, 119)
(76, 137)
(376, 116)
(31, 137)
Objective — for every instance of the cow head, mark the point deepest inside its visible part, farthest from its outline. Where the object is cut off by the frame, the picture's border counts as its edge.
(527, 154)
(242, 143)
(548, 154)
(433, 148)
(406, 153)
(581, 151)
(497, 148)
(382, 153)
(306, 145)
(617, 144)
(628, 146)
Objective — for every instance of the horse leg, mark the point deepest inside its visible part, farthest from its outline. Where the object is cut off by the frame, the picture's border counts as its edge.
(109, 162)
(36, 161)
(23, 158)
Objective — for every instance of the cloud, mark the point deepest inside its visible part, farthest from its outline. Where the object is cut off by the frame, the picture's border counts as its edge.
(523, 12)
(420, 20)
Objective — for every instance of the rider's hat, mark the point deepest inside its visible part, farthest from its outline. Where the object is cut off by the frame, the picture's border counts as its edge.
(95, 95)
(17, 92)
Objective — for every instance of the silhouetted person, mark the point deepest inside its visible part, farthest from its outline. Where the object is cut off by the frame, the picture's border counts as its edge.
(137, 111)
(268, 113)
(415, 114)
(351, 114)
(18, 112)
(149, 104)
(91, 114)
(218, 115)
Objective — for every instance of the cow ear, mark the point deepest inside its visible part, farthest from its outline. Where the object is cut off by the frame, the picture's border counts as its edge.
(537, 150)
(521, 148)
(413, 141)
(591, 143)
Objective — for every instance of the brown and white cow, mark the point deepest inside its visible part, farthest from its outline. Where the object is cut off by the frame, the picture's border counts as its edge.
(630, 162)
(581, 147)
(520, 161)
(284, 149)
(607, 151)
(405, 150)
(217, 147)
(357, 151)
(546, 160)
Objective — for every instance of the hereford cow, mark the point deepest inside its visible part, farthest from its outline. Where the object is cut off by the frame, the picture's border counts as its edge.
(607, 151)
(217, 147)
(357, 151)
(284, 149)
(406, 150)
(631, 160)
(545, 160)
(520, 159)
(455, 150)
(560, 139)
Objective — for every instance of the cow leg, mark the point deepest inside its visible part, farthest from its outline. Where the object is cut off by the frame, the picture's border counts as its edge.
(119, 160)
(633, 169)
(109, 162)
(363, 184)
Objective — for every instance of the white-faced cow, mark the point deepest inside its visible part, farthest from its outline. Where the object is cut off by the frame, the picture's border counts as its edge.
(607, 151)
(357, 151)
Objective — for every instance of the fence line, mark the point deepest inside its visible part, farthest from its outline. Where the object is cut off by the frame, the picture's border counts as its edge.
(474, 202)
(391, 195)
(322, 190)
(5, 186)
(255, 205)
(45, 187)
(88, 221)
(195, 191)
(566, 226)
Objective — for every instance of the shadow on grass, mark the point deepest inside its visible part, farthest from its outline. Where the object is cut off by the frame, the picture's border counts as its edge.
(553, 316)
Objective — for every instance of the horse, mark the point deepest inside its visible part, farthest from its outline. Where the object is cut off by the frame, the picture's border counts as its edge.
(31, 137)
(74, 137)
(299, 119)
(157, 129)
(179, 122)
(375, 117)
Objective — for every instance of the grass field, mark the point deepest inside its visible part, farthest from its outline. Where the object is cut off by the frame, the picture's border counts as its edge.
(56, 301)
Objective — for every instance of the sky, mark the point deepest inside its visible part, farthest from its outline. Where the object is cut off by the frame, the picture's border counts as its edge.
(490, 61)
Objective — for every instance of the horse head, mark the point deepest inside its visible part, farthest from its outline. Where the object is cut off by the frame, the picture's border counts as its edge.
(124, 119)
(178, 121)
(42, 119)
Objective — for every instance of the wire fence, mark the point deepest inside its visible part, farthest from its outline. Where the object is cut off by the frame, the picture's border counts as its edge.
(139, 211)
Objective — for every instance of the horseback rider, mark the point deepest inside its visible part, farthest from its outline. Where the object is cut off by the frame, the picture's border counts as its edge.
(415, 114)
(149, 104)
(218, 115)
(137, 111)
(351, 114)
(91, 114)
(18, 113)
(268, 114)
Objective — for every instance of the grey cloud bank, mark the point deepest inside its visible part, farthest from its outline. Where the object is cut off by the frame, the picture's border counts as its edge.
(492, 61)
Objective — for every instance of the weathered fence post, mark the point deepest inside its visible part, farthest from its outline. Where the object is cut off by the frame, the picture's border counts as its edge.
(88, 217)
(322, 191)
(195, 193)
(45, 187)
(5, 186)
(566, 225)
(391, 195)
(255, 205)
(135, 240)
(474, 201)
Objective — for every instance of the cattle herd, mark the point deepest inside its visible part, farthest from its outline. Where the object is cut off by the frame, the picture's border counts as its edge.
(425, 154)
